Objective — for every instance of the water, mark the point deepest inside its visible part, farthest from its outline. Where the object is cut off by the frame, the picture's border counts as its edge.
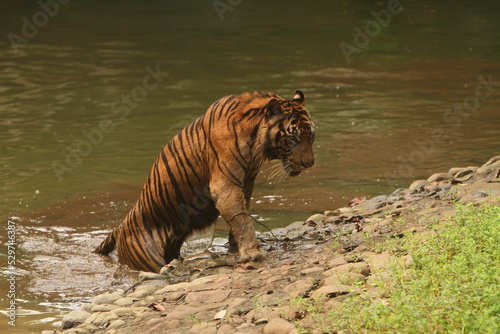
(87, 70)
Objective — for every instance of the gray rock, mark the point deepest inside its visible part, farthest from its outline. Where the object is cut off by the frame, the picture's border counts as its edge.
(104, 307)
(465, 174)
(143, 276)
(125, 301)
(279, 232)
(440, 177)
(419, 185)
(107, 298)
(142, 291)
(493, 161)
(295, 225)
(74, 318)
(317, 218)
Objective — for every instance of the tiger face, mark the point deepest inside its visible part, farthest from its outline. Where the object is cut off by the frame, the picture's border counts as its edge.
(291, 134)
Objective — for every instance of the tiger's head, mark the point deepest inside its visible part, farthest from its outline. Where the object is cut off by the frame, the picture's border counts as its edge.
(290, 134)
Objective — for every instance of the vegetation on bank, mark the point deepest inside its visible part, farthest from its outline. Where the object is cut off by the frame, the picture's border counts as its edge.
(453, 285)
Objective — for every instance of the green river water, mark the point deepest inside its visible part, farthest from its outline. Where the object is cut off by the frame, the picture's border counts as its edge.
(91, 91)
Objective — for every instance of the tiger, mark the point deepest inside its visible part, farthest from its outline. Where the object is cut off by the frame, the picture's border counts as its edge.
(209, 169)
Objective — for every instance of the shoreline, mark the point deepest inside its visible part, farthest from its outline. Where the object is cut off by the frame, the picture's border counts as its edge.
(330, 256)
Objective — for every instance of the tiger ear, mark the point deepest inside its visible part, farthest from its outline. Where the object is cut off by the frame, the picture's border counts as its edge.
(299, 97)
(273, 108)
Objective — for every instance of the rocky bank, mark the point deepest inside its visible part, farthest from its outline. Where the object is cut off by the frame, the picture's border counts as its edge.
(327, 257)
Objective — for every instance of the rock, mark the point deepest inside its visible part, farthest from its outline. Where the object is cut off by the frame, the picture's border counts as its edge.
(104, 307)
(225, 329)
(117, 324)
(77, 330)
(295, 225)
(337, 262)
(126, 311)
(214, 296)
(358, 267)
(107, 298)
(125, 301)
(312, 271)
(144, 275)
(335, 290)
(331, 305)
(348, 278)
(278, 326)
(299, 288)
(204, 329)
(142, 291)
(74, 318)
(419, 185)
(86, 307)
(172, 288)
(440, 177)
(464, 174)
(99, 319)
(379, 279)
(493, 161)
(317, 218)
(491, 166)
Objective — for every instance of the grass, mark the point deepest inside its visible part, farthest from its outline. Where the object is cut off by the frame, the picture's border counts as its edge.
(453, 285)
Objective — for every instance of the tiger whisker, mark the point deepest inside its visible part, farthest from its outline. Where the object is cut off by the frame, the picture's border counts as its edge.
(278, 172)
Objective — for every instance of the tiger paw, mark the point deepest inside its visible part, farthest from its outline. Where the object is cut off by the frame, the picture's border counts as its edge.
(253, 254)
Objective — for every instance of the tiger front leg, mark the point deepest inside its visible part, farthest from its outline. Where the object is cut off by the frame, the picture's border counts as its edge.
(243, 235)
(232, 206)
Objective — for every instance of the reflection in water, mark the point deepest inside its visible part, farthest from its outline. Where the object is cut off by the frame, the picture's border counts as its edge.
(372, 115)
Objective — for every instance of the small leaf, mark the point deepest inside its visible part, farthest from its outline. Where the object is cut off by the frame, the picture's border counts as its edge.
(220, 315)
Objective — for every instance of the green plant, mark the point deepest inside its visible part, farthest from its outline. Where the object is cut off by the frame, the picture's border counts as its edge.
(452, 287)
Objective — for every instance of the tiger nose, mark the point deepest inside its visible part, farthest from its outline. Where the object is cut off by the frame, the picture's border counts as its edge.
(308, 163)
